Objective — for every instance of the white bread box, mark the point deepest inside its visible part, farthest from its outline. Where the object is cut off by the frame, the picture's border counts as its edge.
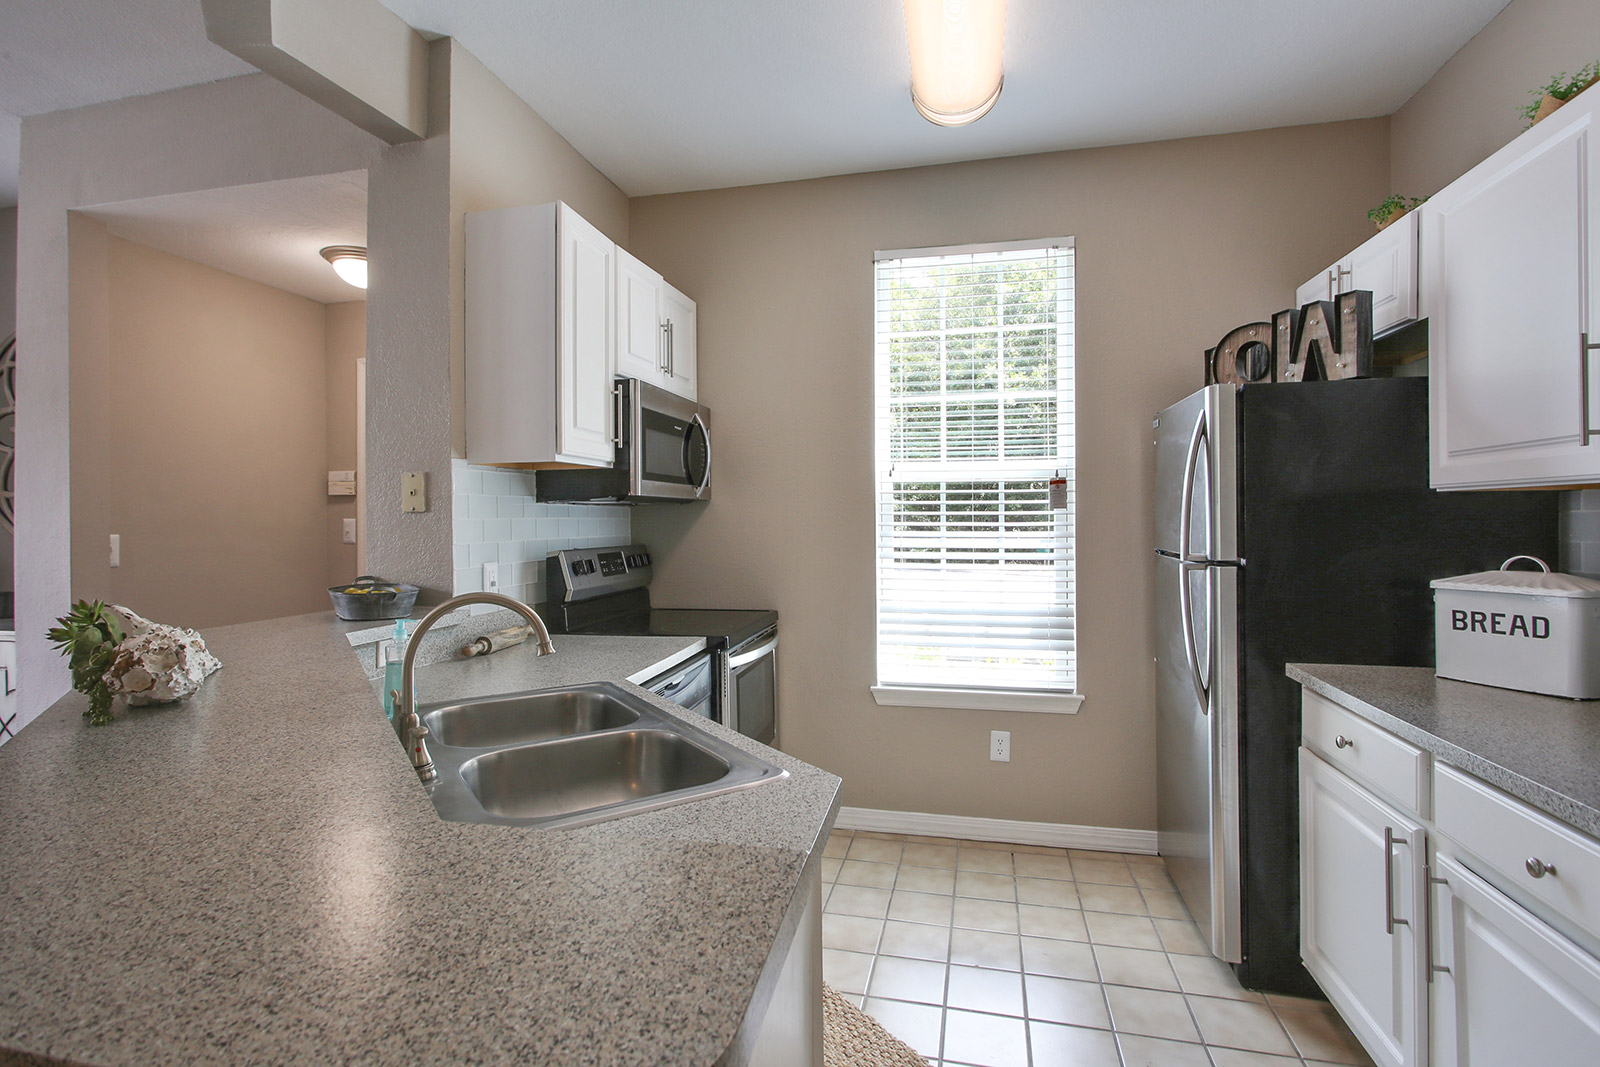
(1536, 631)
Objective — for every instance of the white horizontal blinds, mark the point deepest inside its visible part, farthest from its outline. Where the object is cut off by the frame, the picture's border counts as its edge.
(974, 406)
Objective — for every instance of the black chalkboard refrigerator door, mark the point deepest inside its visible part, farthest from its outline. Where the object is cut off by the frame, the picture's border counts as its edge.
(1294, 523)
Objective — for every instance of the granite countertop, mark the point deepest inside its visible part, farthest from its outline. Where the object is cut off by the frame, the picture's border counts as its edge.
(255, 875)
(1543, 750)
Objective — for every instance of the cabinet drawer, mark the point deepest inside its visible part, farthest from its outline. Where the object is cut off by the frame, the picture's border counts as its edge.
(1368, 753)
(1509, 836)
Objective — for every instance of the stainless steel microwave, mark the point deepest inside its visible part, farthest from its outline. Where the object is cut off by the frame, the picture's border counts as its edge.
(663, 453)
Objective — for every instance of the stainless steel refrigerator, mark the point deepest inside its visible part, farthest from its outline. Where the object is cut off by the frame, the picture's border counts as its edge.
(1293, 523)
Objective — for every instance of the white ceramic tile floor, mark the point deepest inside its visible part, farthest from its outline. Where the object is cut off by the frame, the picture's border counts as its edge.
(979, 954)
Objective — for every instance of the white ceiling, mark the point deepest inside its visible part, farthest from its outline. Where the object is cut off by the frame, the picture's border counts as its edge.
(57, 54)
(696, 94)
(271, 232)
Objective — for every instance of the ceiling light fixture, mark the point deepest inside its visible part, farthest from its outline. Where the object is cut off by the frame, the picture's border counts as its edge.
(349, 262)
(956, 57)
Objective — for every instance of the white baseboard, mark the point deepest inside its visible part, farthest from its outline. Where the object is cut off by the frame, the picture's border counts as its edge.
(1013, 831)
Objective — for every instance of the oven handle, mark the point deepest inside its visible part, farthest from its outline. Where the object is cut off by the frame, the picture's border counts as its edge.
(744, 659)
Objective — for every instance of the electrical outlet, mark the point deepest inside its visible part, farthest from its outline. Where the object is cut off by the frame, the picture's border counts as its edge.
(349, 531)
(1000, 746)
(116, 550)
(491, 577)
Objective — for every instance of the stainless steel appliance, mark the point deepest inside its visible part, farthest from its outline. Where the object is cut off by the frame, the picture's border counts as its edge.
(691, 685)
(1294, 523)
(663, 453)
(606, 591)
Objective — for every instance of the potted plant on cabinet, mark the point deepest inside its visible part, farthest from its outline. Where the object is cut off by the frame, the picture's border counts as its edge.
(1394, 205)
(1557, 91)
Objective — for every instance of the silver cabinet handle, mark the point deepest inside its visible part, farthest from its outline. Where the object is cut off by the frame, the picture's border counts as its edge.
(1584, 348)
(1427, 925)
(1341, 741)
(672, 350)
(616, 415)
(661, 353)
(1389, 841)
(1538, 868)
(1338, 284)
(1332, 289)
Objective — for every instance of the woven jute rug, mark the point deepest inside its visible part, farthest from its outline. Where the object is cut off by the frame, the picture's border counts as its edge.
(852, 1038)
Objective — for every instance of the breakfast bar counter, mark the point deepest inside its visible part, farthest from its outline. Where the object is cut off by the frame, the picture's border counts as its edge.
(255, 875)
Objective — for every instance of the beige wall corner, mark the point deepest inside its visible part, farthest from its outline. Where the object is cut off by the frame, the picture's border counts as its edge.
(354, 57)
(216, 445)
(1177, 242)
(1470, 107)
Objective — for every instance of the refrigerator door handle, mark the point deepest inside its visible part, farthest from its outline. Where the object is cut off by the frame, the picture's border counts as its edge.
(1190, 650)
(1191, 467)
(1188, 562)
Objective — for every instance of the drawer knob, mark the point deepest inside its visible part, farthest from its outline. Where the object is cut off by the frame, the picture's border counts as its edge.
(1341, 741)
(1539, 868)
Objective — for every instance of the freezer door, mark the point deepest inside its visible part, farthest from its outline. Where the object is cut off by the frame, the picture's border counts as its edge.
(1196, 503)
(1197, 783)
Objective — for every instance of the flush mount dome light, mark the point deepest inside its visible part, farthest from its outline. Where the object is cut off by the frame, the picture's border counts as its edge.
(349, 262)
(956, 57)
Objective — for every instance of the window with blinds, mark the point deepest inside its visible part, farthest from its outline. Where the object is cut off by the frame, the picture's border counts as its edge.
(974, 406)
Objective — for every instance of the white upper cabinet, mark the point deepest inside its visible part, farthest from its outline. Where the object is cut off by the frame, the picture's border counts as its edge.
(540, 341)
(1387, 266)
(1510, 257)
(683, 345)
(641, 318)
(655, 329)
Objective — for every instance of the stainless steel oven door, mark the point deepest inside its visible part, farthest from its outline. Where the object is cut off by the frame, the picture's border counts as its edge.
(669, 444)
(750, 688)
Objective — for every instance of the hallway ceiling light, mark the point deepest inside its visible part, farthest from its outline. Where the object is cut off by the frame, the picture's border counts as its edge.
(349, 262)
(956, 57)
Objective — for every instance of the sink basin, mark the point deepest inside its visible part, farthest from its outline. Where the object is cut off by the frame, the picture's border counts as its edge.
(576, 755)
(523, 717)
(587, 773)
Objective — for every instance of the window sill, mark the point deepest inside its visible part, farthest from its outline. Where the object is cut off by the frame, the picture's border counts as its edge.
(905, 696)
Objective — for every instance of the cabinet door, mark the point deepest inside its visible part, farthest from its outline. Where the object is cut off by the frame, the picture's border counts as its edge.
(683, 345)
(585, 352)
(1508, 261)
(1508, 988)
(1387, 265)
(1361, 908)
(640, 319)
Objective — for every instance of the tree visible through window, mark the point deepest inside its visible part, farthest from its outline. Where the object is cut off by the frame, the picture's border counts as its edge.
(974, 417)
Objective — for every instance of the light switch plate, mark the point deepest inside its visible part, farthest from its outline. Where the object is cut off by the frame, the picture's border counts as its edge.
(491, 577)
(413, 491)
(349, 531)
(116, 550)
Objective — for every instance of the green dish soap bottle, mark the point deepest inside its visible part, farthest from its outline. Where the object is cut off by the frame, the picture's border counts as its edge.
(393, 665)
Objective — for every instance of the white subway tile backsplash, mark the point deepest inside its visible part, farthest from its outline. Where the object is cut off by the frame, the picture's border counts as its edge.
(498, 520)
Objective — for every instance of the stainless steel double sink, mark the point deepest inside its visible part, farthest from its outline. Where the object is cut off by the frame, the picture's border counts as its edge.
(575, 755)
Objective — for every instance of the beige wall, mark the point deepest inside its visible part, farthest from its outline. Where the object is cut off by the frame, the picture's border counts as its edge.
(217, 477)
(345, 329)
(1177, 243)
(1469, 108)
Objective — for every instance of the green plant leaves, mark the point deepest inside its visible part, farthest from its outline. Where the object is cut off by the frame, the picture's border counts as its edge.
(88, 636)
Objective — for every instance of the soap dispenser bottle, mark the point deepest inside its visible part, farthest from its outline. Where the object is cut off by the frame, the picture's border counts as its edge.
(393, 665)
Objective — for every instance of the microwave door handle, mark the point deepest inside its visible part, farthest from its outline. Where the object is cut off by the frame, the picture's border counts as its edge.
(705, 479)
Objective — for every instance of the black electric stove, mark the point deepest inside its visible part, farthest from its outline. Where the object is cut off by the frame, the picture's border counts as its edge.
(607, 591)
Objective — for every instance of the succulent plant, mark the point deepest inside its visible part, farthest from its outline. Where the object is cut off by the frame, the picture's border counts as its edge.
(89, 635)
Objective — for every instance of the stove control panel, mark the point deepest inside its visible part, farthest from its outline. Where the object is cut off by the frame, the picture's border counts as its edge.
(585, 573)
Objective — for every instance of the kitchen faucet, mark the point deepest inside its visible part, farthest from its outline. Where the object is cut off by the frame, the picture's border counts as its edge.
(406, 722)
